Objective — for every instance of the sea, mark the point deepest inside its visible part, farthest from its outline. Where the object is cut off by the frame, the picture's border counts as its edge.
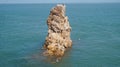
(95, 35)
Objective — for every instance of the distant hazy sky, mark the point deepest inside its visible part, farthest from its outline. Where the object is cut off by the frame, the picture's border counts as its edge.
(59, 1)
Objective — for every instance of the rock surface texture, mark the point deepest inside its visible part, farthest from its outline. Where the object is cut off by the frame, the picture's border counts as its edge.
(58, 38)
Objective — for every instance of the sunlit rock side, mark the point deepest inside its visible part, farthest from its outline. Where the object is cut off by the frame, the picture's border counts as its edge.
(58, 38)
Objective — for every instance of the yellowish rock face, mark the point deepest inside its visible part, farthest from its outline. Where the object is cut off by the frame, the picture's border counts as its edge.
(58, 38)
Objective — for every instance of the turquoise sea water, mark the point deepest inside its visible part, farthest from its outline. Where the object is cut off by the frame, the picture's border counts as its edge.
(95, 34)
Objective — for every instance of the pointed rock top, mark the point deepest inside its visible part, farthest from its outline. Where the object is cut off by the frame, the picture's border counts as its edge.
(58, 10)
(61, 5)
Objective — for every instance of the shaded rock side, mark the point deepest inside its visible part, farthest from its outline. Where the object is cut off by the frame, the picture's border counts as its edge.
(58, 38)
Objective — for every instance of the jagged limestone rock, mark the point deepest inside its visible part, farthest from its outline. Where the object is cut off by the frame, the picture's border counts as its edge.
(58, 38)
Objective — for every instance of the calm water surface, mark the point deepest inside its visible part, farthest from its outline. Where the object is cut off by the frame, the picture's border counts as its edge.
(95, 34)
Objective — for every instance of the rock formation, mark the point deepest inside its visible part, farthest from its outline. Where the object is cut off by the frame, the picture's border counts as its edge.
(58, 38)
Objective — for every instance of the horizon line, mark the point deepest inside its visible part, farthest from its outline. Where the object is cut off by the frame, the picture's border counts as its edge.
(65, 3)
